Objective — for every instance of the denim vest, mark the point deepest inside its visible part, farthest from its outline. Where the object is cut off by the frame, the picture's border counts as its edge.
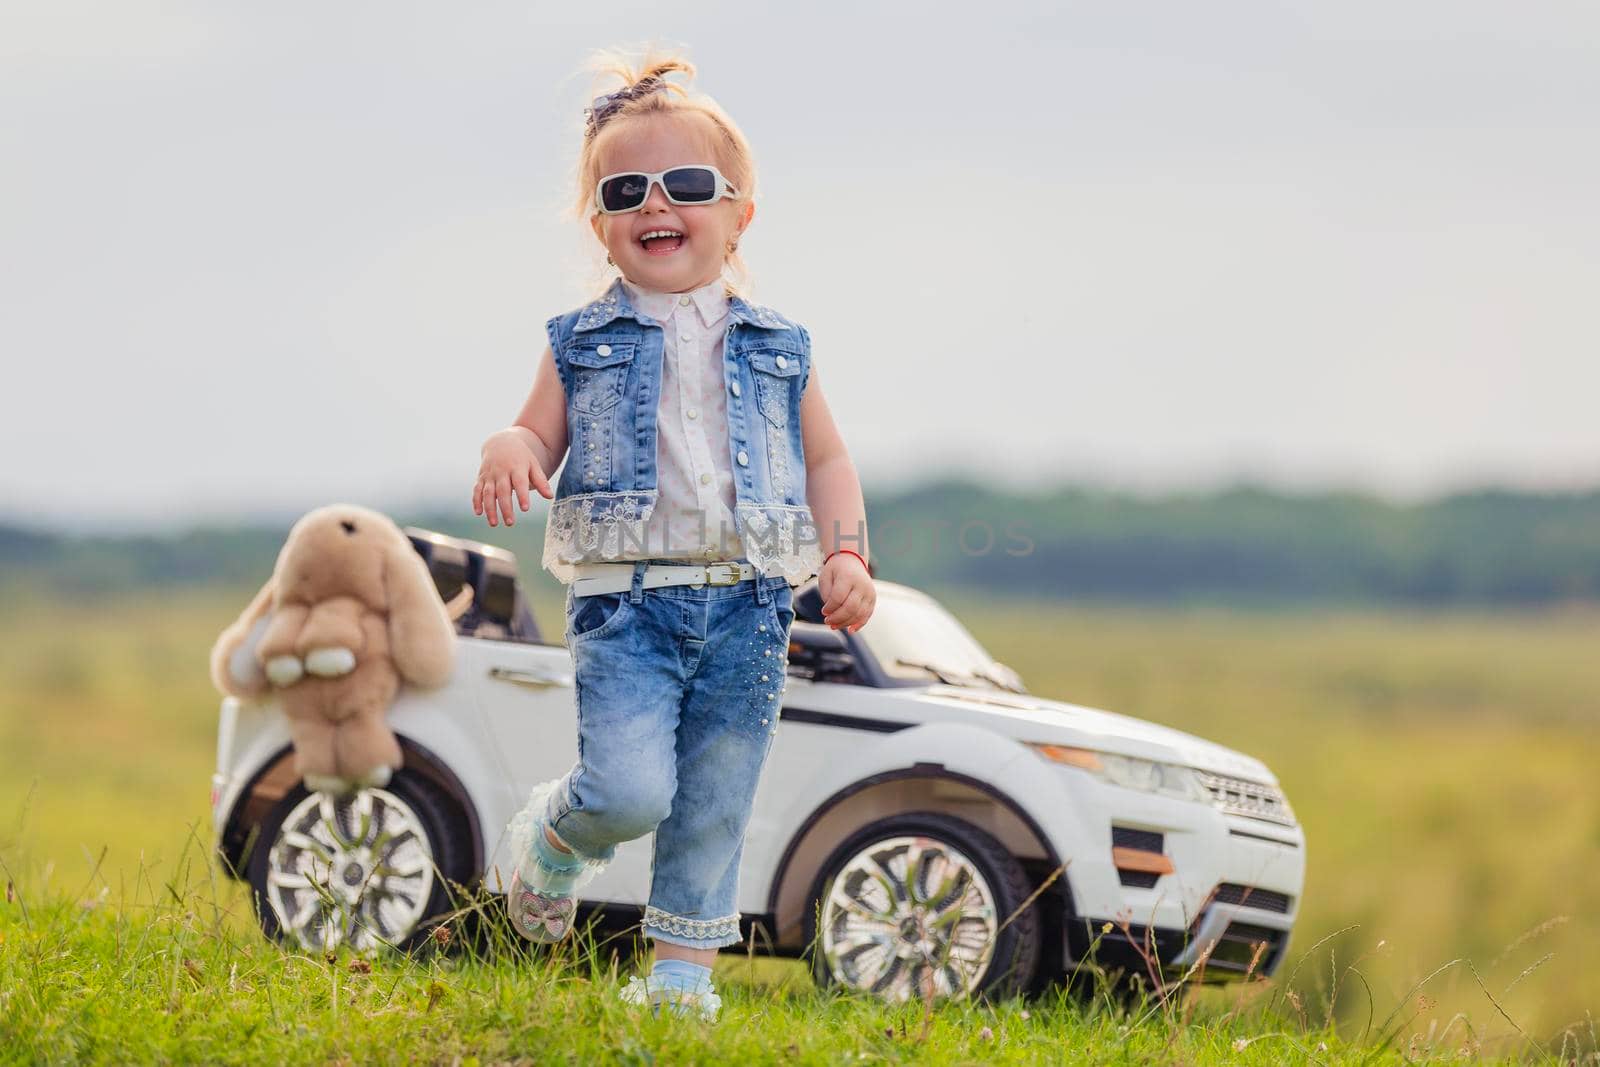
(609, 356)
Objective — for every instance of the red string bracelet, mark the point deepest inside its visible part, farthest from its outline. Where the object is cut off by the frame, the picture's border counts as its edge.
(852, 551)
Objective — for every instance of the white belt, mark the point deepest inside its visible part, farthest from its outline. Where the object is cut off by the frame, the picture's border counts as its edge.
(614, 577)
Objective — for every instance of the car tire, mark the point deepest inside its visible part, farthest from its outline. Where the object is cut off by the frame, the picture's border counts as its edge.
(978, 881)
(368, 869)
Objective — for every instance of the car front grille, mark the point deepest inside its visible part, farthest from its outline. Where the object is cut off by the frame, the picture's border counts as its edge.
(1240, 796)
(1237, 945)
(1252, 897)
(1143, 840)
(1127, 837)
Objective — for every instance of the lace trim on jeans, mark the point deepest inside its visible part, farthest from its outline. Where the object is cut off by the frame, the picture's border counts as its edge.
(698, 929)
(595, 527)
(781, 534)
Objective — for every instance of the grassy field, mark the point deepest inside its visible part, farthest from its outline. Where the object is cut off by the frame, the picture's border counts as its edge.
(1443, 766)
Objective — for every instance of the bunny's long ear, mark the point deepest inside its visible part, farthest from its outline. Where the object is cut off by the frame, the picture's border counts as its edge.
(234, 670)
(422, 639)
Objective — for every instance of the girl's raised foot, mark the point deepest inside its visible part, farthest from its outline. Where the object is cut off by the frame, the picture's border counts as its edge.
(540, 917)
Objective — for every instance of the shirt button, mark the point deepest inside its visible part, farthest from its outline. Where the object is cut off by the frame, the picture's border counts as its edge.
(744, 460)
(781, 362)
(705, 479)
(603, 350)
(686, 336)
(683, 301)
(693, 413)
(735, 388)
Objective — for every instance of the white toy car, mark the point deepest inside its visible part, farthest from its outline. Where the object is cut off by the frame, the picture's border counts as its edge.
(917, 797)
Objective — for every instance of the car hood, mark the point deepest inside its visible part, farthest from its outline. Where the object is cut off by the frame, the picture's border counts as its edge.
(1033, 718)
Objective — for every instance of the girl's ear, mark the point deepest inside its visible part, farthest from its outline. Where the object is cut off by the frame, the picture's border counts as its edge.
(747, 214)
(594, 223)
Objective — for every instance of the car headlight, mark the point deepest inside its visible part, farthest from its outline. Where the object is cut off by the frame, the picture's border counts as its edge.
(1132, 772)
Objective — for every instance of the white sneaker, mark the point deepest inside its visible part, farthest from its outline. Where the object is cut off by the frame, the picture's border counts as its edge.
(539, 916)
(640, 991)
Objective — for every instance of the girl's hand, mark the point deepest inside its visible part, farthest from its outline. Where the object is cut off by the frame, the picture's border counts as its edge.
(509, 466)
(848, 594)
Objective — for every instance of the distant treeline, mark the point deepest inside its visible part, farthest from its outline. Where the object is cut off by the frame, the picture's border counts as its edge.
(1490, 548)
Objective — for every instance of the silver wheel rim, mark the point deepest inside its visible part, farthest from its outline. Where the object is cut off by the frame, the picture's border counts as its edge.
(907, 918)
(355, 870)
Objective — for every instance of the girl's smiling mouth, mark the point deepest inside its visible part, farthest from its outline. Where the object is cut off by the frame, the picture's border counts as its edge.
(662, 242)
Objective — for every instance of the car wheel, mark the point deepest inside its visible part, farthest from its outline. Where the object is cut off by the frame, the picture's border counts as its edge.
(364, 870)
(918, 904)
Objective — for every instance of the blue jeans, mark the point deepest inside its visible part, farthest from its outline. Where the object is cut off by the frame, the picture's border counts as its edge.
(678, 692)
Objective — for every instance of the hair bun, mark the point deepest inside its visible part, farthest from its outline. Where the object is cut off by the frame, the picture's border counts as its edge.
(660, 68)
(650, 78)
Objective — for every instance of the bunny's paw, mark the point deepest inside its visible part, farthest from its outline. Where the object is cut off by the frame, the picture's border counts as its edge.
(284, 671)
(331, 784)
(378, 777)
(330, 662)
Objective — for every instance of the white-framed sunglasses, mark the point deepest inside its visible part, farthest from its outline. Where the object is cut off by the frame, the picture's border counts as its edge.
(695, 183)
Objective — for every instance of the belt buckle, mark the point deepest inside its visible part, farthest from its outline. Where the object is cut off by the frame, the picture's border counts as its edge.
(730, 569)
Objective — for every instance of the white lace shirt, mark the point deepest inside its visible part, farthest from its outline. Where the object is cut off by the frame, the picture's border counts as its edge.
(693, 517)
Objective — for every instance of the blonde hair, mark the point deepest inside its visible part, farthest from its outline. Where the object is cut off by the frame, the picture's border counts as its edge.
(728, 144)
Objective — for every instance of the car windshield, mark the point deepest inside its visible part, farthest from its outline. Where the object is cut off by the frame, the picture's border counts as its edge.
(912, 636)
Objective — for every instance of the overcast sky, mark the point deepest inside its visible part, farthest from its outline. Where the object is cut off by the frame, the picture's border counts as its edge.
(259, 257)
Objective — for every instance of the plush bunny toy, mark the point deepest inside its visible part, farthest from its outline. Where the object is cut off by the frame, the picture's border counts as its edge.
(349, 613)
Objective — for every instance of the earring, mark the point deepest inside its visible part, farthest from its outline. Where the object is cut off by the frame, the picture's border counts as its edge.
(733, 246)
(609, 260)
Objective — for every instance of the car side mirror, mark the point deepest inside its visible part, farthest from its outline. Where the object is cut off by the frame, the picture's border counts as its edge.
(821, 654)
(1010, 674)
(817, 638)
(807, 604)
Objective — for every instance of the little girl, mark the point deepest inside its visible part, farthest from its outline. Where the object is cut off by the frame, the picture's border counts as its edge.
(705, 479)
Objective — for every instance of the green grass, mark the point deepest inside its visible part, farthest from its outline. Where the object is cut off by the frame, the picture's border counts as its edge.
(1443, 767)
(174, 972)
